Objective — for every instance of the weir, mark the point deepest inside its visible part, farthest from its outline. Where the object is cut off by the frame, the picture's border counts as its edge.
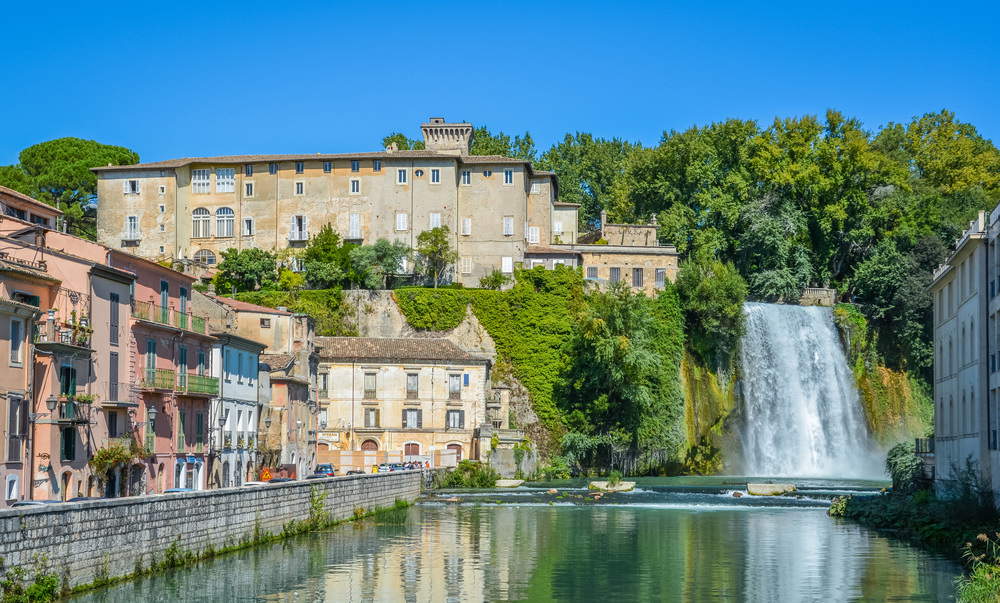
(801, 414)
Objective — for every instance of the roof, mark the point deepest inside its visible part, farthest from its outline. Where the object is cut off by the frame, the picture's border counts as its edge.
(539, 249)
(16, 266)
(565, 204)
(277, 362)
(242, 306)
(22, 197)
(225, 337)
(396, 348)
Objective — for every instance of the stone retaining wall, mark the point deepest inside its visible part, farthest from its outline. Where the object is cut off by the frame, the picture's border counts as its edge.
(93, 540)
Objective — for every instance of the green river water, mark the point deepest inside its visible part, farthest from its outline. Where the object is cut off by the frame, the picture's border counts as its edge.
(670, 540)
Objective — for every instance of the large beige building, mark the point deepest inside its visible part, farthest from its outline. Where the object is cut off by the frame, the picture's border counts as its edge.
(499, 209)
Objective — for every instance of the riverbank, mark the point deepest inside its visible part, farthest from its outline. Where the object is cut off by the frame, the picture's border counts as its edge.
(963, 529)
(84, 545)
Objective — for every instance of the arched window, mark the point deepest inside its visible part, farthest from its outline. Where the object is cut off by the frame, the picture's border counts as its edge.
(201, 221)
(224, 217)
(369, 445)
(204, 256)
(411, 449)
(458, 451)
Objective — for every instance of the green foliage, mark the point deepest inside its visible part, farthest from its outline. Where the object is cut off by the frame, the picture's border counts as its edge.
(57, 172)
(290, 281)
(495, 280)
(40, 586)
(614, 478)
(434, 253)
(905, 467)
(327, 259)
(471, 474)
(485, 142)
(529, 324)
(246, 270)
(326, 306)
(623, 375)
(402, 142)
(105, 458)
(557, 468)
(712, 295)
(372, 265)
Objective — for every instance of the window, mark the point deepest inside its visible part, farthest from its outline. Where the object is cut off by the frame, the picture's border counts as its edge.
(371, 417)
(225, 180)
(466, 265)
(355, 186)
(224, 218)
(456, 419)
(536, 188)
(327, 167)
(411, 449)
(132, 228)
(265, 323)
(435, 176)
(487, 173)
(300, 167)
(402, 221)
(323, 382)
(616, 275)
(248, 227)
(401, 176)
(532, 234)
(403, 265)
(272, 168)
(229, 366)
(202, 366)
(67, 444)
(204, 256)
(300, 188)
(466, 177)
(131, 187)
(162, 208)
(113, 430)
(557, 227)
(199, 428)
(201, 221)
(354, 226)
(466, 226)
(113, 376)
(418, 173)
(163, 190)
(200, 181)
(508, 176)
(434, 220)
(637, 277)
(248, 170)
(592, 273)
(17, 426)
(508, 226)
(412, 418)
(181, 429)
(355, 165)
(299, 231)
(16, 341)
(454, 387)
(163, 228)
(248, 189)
(240, 366)
(412, 386)
(507, 264)
(377, 165)
(369, 386)
(114, 300)
(11, 489)
(661, 278)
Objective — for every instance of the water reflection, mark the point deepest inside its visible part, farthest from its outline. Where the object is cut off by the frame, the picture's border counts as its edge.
(541, 552)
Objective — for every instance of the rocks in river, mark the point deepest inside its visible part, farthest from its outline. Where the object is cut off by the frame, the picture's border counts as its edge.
(453, 499)
(737, 494)
(552, 491)
(770, 489)
(509, 483)
(608, 487)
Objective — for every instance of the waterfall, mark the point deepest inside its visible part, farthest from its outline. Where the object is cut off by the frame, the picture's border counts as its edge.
(801, 414)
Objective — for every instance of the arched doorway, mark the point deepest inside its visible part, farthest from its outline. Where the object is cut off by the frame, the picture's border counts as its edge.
(411, 449)
(111, 483)
(225, 474)
(458, 451)
(239, 474)
(136, 479)
(67, 479)
(369, 445)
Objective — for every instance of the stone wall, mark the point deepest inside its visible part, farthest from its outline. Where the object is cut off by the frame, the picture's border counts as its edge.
(815, 296)
(111, 538)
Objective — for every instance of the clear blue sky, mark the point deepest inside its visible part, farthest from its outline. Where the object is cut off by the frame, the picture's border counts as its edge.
(179, 79)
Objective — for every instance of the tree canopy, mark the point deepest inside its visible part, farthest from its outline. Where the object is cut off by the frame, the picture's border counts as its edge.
(434, 253)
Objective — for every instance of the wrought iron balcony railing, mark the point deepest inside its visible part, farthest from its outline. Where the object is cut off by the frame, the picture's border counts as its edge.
(168, 316)
(158, 379)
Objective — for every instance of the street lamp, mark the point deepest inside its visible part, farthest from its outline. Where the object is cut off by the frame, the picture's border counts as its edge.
(151, 413)
(222, 418)
(267, 422)
(51, 403)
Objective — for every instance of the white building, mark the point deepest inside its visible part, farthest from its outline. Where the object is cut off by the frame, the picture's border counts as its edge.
(961, 290)
(235, 411)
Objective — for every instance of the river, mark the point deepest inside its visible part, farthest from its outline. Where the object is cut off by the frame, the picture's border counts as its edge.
(670, 540)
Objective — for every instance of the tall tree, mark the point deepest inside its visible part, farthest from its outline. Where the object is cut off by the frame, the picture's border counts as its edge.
(402, 142)
(326, 259)
(374, 264)
(485, 142)
(246, 270)
(434, 253)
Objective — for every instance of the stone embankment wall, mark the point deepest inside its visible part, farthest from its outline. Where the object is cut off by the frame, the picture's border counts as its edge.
(814, 296)
(97, 540)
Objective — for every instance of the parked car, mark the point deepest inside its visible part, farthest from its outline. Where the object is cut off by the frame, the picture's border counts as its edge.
(397, 467)
(326, 469)
(35, 503)
(83, 498)
(176, 490)
(355, 472)
(317, 476)
(280, 480)
(245, 484)
(384, 468)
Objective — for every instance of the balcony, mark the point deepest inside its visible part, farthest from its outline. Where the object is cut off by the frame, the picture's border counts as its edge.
(161, 379)
(71, 412)
(198, 384)
(119, 394)
(131, 235)
(296, 236)
(162, 315)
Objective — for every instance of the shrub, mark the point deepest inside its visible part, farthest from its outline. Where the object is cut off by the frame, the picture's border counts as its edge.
(471, 474)
(905, 467)
(558, 468)
(494, 280)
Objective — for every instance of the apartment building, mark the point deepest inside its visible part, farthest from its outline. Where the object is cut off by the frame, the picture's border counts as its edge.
(236, 409)
(965, 349)
(496, 208)
(414, 396)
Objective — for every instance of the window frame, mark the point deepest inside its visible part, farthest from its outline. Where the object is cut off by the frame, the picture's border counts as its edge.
(435, 175)
(508, 177)
(225, 180)
(201, 181)
(355, 186)
(248, 188)
(402, 176)
(16, 346)
(402, 223)
(466, 178)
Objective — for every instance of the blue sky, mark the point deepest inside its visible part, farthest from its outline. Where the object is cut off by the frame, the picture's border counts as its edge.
(179, 79)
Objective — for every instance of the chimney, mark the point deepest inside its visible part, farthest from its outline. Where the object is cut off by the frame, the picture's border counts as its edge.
(447, 138)
(604, 219)
(392, 148)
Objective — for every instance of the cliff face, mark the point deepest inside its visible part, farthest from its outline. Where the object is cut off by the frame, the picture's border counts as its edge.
(709, 400)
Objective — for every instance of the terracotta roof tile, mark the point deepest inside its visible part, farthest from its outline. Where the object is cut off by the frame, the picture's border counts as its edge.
(373, 348)
(550, 250)
(21, 196)
(277, 362)
(241, 306)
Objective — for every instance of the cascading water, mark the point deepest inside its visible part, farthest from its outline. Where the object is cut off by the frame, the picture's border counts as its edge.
(800, 407)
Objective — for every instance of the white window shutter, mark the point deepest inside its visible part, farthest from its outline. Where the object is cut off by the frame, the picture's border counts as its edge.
(125, 186)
